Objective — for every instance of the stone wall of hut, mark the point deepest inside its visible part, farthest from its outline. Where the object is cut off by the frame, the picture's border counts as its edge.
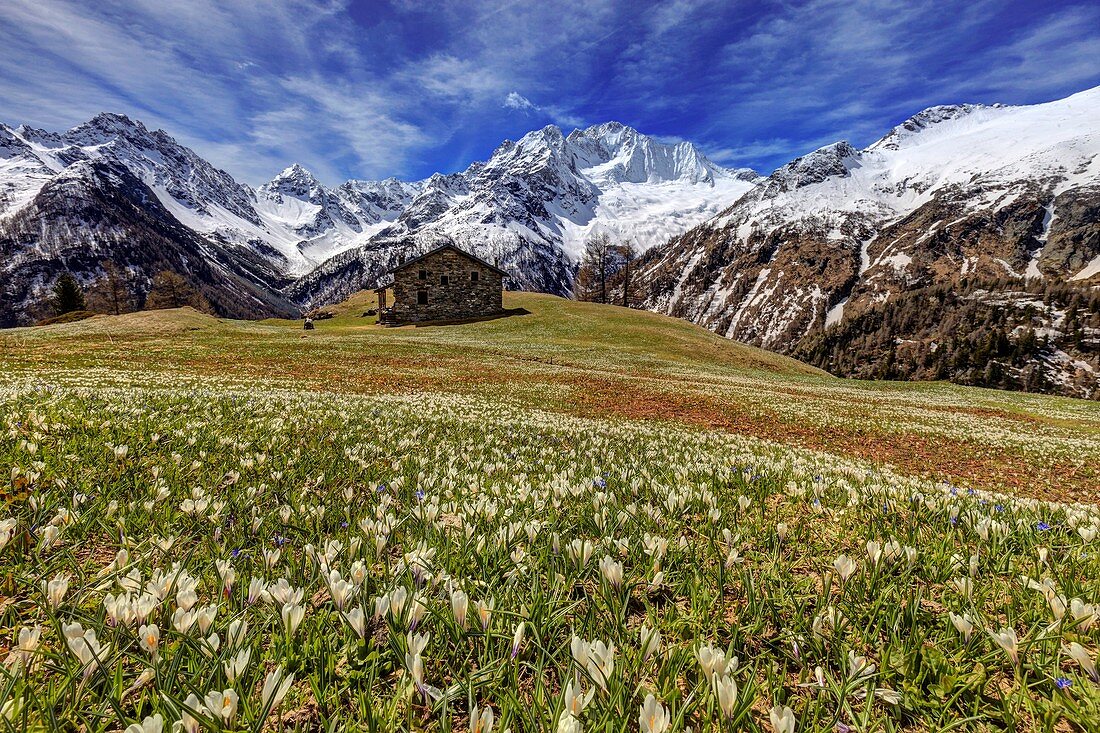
(447, 282)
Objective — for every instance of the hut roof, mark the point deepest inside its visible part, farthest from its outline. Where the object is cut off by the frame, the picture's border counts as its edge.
(414, 260)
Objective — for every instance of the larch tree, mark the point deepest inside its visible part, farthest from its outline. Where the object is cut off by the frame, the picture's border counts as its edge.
(112, 293)
(171, 290)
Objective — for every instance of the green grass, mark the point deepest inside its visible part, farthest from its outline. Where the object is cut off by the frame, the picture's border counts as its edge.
(603, 361)
(194, 510)
(151, 501)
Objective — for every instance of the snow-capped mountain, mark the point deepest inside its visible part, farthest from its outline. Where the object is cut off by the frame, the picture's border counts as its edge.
(955, 193)
(111, 190)
(529, 207)
(96, 211)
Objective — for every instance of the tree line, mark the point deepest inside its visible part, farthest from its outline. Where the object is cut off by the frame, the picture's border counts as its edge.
(607, 272)
(983, 333)
(118, 291)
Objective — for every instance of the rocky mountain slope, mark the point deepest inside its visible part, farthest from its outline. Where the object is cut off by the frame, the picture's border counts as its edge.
(529, 207)
(957, 194)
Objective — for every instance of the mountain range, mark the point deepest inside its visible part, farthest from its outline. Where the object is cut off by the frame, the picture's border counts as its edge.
(994, 205)
(966, 197)
(111, 189)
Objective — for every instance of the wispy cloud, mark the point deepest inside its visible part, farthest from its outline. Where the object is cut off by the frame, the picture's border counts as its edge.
(518, 102)
(370, 89)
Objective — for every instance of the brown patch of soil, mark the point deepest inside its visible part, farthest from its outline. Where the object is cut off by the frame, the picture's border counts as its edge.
(979, 466)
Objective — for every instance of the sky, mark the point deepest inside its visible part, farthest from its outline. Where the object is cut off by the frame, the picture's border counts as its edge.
(412, 87)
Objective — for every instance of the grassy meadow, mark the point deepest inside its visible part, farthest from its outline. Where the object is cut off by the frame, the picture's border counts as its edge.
(575, 518)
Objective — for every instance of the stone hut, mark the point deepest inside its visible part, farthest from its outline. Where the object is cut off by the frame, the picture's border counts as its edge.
(442, 285)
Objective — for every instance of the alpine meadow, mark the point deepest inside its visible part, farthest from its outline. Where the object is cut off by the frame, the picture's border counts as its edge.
(773, 408)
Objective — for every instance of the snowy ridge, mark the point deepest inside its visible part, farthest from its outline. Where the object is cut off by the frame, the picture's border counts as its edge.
(530, 206)
(607, 178)
(954, 191)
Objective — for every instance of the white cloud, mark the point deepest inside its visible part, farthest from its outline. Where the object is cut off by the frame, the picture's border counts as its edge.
(560, 116)
(515, 100)
(255, 84)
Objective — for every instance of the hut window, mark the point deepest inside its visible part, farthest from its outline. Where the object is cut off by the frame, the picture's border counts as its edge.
(473, 276)
(423, 274)
(421, 297)
(443, 279)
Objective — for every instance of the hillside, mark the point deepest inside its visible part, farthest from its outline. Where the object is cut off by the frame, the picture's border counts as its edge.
(956, 197)
(592, 360)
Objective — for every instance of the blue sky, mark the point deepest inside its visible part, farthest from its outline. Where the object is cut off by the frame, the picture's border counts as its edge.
(407, 88)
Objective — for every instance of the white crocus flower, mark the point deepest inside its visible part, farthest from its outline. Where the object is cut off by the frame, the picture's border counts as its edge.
(481, 720)
(726, 687)
(712, 661)
(211, 644)
(859, 668)
(237, 634)
(55, 590)
(874, 551)
(484, 612)
(1083, 613)
(205, 617)
(152, 724)
(460, 605)
(1007, 640)
(27, 642)
(222, 705)
(576, 699)
(182, 620)
(581, 551)
(517, 639)
(191, 706)
(87, 649)
(150, 638)
(1079, 654)
(845, 567)
(612, 571)
(580, 650)
(782, 719)
(601, 663)
(650, 641)
(235, 666)
(292, 616)
(357, 621)
(275, 688)
(7, 530)
(965, 586)
(227, 575)
(186, 598)
(963, 624)
(653, 717)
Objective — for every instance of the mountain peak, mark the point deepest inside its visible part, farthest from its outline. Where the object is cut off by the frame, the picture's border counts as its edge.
(832, 160)
(111, 122)
(296, 182)
(108, 126)
(549, 136)
(611, 127)
(296, 172)
(928, 118)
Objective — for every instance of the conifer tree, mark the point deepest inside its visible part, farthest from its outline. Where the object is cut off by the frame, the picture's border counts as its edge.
(68, 296)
